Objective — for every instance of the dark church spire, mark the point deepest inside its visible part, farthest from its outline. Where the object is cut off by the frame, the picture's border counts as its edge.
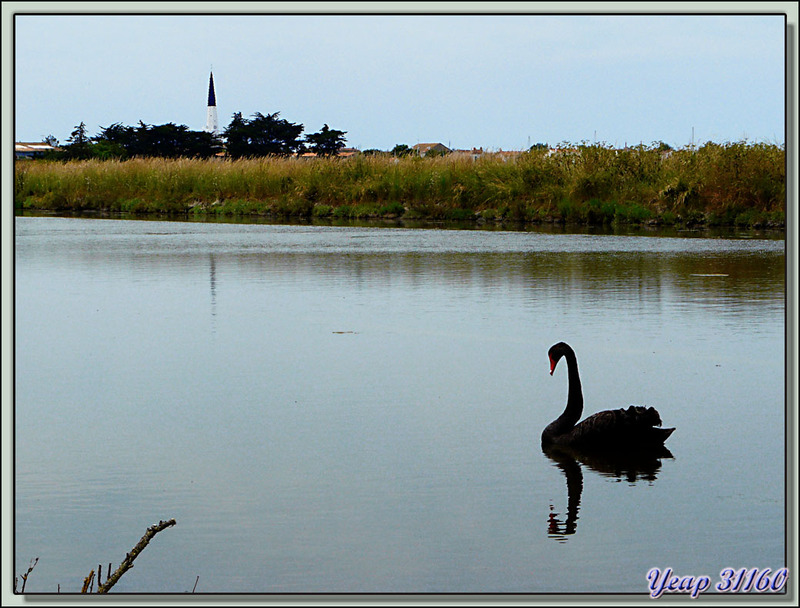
(212, 98)
(212, 124)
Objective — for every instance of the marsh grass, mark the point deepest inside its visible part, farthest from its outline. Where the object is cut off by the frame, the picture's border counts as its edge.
(733, 184)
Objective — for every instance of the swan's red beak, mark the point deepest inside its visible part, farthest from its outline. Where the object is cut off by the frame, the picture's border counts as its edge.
(552, 365)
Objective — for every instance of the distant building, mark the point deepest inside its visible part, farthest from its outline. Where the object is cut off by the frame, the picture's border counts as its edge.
(507, 155)
(212, 124)
(474, 153)
(342, 153)
(570, 151)
(27, 150)
(424, 149)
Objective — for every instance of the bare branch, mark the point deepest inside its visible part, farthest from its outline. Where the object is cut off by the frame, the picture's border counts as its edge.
(87, 582)
(25, 576)
(127, 563)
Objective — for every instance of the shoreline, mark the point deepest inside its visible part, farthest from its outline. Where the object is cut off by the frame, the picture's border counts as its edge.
(654, 230)
(300, 211)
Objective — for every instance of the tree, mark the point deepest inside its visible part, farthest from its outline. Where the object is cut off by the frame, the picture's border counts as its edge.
(201, 144)
(236, 136)
(402, 150)
(262, 136)
(79, 146)
(433, 152)
(327, 142)
(78, 136)
(54, 154)
(168, 140)
(115, 141)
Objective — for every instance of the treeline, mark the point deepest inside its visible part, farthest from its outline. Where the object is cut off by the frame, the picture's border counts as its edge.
(261, 135)
(717, 184)
(122, 142)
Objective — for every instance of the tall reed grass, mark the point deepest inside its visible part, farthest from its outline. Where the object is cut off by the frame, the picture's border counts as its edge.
(736, 183)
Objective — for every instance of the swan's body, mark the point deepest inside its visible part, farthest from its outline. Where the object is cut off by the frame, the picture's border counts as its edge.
(636, 427)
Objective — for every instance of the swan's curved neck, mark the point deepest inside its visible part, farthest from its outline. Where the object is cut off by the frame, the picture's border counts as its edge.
(574, 409)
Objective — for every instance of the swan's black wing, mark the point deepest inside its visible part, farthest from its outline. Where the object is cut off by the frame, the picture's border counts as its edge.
(621, 429)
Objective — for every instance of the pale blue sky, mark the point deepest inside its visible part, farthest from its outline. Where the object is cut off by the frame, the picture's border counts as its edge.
(492, 81)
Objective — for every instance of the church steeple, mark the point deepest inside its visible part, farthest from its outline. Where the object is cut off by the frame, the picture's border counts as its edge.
(212, 98)
(212, 124)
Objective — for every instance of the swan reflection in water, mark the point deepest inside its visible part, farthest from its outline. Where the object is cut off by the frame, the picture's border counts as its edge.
(623, 443)
(632, 467)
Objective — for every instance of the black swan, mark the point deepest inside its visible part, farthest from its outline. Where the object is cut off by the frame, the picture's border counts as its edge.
(634, 428)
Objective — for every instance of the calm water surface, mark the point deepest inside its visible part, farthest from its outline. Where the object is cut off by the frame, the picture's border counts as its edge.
(329, 409)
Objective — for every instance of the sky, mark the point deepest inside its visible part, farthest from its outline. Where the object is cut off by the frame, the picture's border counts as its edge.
(496, 81)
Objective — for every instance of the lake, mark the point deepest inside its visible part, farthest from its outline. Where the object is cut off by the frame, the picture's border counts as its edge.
(351, 409)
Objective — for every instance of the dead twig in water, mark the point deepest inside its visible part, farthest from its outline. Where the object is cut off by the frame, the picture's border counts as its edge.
(87, 583)
(127, 563)
(25, 576)
(195, 583)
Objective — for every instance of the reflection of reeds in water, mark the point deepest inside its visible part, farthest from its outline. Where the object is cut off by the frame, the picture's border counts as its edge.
(585, 279)
(728, 184)
(628, 466)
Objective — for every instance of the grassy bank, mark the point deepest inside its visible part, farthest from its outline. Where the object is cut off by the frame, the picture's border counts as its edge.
(734, 184)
